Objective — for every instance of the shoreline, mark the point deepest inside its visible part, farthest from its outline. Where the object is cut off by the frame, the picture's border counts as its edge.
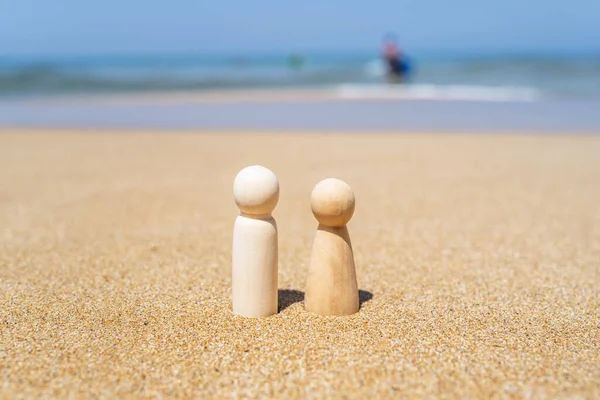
(338, 92)
(292, 110)
(183, 96)
(87, 130)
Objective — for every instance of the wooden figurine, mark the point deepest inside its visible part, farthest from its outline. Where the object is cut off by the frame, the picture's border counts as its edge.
(255, 248)
(331, 286)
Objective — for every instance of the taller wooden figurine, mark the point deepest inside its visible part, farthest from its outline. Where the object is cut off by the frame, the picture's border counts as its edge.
(255, 247)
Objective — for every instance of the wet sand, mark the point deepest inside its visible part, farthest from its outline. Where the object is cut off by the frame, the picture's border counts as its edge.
(299, 110)
(478, 261)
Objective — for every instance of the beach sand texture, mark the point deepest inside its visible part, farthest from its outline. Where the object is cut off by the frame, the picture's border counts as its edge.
(478, 258)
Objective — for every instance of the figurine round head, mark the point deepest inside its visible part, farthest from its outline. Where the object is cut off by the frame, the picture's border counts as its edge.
(256, 190)
(332, 202)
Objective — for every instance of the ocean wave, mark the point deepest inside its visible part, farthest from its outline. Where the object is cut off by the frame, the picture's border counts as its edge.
(438, 92)
(44, 79)
(55, 79)
(353, 77)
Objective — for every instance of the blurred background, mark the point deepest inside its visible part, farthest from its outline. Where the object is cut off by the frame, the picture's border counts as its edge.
(435, 50)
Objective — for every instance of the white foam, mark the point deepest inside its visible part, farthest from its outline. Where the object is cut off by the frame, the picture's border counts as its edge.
(438, 92)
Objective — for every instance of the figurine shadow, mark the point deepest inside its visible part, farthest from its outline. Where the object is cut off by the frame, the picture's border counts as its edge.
(364, 296)
(288, 297)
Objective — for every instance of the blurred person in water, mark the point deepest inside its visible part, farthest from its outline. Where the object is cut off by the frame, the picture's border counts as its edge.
(395, 62)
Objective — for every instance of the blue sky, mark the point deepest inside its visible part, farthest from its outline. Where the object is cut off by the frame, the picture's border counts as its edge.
(125, 26)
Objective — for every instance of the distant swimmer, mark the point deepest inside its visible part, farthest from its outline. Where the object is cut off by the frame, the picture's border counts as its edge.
(296, 61)
(397, 67)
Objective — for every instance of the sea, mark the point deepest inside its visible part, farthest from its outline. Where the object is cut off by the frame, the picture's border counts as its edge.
(565, 87)
(518, 76)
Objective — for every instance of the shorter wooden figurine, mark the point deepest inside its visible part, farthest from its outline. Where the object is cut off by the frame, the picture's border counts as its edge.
(331, 286)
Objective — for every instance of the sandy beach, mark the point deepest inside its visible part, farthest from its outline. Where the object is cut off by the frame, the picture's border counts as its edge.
(478, 261)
